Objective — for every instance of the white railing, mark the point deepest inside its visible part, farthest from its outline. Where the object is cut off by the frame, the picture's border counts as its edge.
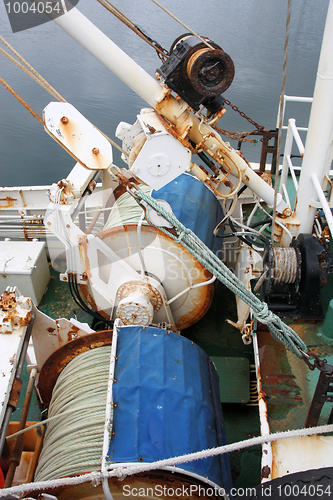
(289, 170)
(292, 137)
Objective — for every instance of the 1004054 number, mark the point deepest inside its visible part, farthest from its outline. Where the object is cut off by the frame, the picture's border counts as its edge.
(34, 7)
(308, 490)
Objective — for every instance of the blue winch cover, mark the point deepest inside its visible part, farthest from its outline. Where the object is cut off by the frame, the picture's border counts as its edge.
(195, 206)
(168, 402)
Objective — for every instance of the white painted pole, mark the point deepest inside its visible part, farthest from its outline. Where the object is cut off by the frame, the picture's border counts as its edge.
(109, 54)
(320, 132)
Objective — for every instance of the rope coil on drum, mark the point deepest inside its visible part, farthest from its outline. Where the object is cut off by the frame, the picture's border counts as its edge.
(73, 442)
(285, 265)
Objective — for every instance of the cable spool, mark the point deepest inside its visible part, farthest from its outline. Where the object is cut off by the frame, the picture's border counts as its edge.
(285, 265)
(199, 71)
(157, 256)
(73, 442)
(282, 278)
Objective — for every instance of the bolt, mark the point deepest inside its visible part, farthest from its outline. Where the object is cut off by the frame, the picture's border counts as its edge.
(115, 405)
(287, 212)
(95, 151)
(64, 120)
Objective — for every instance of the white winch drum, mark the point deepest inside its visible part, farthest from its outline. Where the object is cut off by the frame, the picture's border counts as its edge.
(164, 259)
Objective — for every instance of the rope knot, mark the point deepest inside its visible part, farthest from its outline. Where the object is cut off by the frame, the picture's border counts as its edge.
(184, 231)
(95, 479)
(180, 237)
(264, 315)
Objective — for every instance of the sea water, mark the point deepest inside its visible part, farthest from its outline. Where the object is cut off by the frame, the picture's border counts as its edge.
(252, 32)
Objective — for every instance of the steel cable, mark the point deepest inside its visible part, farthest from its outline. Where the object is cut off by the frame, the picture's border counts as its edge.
(73, 443)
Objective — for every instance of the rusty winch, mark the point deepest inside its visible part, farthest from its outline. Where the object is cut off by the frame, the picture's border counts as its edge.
(199, 71)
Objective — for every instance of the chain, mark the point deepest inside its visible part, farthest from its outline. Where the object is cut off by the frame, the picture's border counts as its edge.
(162, 53)
(243, 115)
(240, 136)
(236, 136)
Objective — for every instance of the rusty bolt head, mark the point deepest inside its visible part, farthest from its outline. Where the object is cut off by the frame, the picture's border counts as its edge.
(95, 151)
(64, 120)
(287, 212)
(115, 405)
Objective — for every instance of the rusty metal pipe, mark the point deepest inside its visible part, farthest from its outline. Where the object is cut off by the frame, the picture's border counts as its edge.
(18, 444)
(19, 369)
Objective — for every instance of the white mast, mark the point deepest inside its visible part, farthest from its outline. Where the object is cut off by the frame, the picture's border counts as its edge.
(320, 133)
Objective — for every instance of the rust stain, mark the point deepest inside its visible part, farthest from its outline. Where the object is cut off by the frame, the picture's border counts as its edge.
(9, 202)
(8, 305)
(15, 393)
(199, 299)
(146, 289)
(54, 365)
(265, 472)
(72, 334)
(7, 301)
(22, 197)
(25, 232)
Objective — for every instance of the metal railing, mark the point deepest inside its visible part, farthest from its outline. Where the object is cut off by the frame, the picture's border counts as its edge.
(292, 138)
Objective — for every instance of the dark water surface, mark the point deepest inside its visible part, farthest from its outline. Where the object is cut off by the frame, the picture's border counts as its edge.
(252, 32)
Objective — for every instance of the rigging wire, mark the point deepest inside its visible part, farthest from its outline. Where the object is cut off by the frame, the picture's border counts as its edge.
(21, 100)
(183, 24)
(161, 52)
(281, 106)
(30, 71)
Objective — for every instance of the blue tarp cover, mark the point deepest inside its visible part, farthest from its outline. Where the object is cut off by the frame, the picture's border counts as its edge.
(168, 402)
(195, 206)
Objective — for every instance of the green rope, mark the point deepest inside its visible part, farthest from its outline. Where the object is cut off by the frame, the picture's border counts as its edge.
(279, 330)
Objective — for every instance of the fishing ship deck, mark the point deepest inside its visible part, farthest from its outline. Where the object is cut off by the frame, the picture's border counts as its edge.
(287, 387)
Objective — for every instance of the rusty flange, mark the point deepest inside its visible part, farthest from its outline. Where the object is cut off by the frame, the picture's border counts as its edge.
(146, 289)
(60, 358)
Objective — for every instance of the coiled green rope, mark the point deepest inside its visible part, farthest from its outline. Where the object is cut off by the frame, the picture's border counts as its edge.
(73, 442)
(279, 330)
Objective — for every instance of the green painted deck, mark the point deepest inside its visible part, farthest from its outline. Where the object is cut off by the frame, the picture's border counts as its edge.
(287, 382)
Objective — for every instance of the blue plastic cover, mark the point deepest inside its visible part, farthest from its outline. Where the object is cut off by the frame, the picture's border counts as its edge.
(194, 205)
(168, 402)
